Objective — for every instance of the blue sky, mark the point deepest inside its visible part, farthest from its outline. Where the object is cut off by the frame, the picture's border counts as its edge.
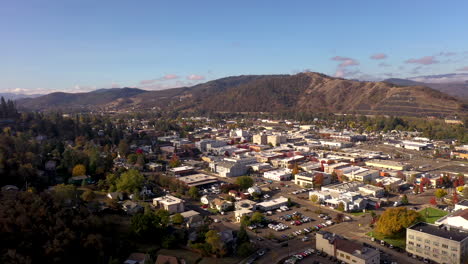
(83, 45)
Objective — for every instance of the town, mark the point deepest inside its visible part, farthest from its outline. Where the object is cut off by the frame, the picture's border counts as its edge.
(253, 190)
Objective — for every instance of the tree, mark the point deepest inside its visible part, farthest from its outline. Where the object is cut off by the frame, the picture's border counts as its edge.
(340, 207)
(65, 193)
(404, 200)
(79, 170)
(257, 218)
(244, 182)
(440, 193)
(193, 192)
(318, 180)
(150, 225)
(395, 220)
(314, 198)
(123, 148)
(132, 158)
(177, 219)
(245, 249)
(339, 218)
(433, 201)
(455, 199)
(130, 181)
(295, 169)
(465, 192)
(213, 239)
(174, 162)
(88, 195)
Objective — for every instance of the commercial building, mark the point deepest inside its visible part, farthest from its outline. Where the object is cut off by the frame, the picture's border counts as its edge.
(278, 175)
(387, 164)
(170, 203)
(272, 204)
(457, 219)
(345, 250)
(441, 244)
(276, 140)
(306, 179)
(260, 139)
(198, 180)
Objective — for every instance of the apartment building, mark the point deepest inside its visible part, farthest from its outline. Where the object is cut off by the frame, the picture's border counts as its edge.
(345, 250)
(441, 244)
(260, 139)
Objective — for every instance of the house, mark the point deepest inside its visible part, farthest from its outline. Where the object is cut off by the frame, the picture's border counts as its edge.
(192, 219)
(207, 199)
(220, 204)
(137, 258)
(347, 251)
(170, 203)
(245, 204)
(132, 208)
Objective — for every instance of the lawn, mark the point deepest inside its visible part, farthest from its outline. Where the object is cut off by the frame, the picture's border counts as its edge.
(430, 215)
(361, 213)
(398, 241)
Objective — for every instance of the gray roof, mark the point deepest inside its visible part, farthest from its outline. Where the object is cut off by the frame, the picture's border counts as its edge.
(451, 233)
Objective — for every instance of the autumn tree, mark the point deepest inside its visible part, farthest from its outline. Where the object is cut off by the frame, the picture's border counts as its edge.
(395, 220)
(340, 207)
(318, 180)
(440, 193)
(79, 170)
(295, 169)
(433, 201)
(455, 198)
(314, 198)
(88, 195)
(174, 162)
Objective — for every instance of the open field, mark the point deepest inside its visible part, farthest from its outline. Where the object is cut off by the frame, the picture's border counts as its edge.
(430, 215)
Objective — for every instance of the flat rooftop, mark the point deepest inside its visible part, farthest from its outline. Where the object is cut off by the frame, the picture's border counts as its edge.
(451, 233)
(198, 179)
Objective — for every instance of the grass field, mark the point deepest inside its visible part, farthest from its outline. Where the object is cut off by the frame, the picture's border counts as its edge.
(399, 241)
(430, 215)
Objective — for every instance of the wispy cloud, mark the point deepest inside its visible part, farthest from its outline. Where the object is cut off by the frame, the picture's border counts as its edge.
(166, 77)
(383, 64)
(195, 77)
(427, 60)
(463, 69)
(447, 53)
(341, 71)
(379, 56)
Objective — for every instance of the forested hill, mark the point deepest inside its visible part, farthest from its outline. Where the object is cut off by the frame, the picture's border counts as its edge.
(305, 92)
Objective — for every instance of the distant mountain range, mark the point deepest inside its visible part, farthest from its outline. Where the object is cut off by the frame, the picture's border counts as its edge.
(16, 96)
(452, 84)
(303, 92)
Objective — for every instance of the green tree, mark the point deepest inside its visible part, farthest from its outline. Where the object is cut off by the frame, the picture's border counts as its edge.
(64, 192)
(257, 218)
(245, 249)
(151, 225)
(404, 200)
(395, 220)
(177, 219)
(213, 239)
(244, 182)
(193, 192)
(130, 181)
(440, 193)
(132, 158)
(79, 170)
